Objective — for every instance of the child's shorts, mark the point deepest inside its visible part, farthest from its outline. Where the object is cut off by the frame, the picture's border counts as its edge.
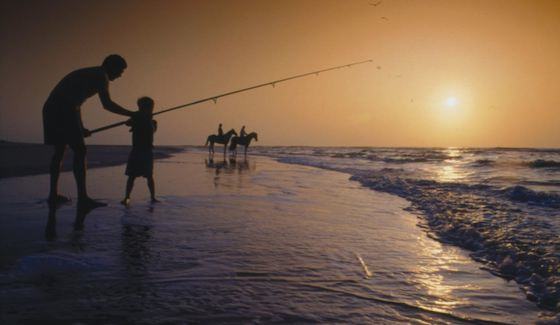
(140, 162)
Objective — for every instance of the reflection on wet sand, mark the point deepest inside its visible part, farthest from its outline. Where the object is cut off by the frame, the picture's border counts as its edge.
(228, 166)
(135, 248)
(50, 228)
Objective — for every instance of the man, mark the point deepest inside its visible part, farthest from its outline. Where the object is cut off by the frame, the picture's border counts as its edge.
(242, 133)
(62, 121)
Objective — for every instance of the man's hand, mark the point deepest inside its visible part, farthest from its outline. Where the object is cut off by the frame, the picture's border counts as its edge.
(87, 133)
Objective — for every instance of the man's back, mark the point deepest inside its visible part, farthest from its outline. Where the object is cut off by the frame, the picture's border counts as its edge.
(79, 85)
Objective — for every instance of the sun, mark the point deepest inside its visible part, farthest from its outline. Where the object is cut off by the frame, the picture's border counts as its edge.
(451, 102)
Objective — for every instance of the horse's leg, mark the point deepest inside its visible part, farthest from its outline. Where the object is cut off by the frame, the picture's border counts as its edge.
(246, 150)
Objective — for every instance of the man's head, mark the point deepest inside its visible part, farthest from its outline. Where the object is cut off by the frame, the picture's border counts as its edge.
(114, 65)
(146, 105)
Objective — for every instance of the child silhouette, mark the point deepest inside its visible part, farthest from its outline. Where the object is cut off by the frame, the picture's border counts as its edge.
(141, 158)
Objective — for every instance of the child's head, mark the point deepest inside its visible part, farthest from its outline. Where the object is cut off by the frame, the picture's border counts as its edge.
(146, 105)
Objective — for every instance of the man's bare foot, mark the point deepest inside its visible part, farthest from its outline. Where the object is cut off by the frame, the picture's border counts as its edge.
(58, 200)
(125, 201)
(154, 200)
(90, 204)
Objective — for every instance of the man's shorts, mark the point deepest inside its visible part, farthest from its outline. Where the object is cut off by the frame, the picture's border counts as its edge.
(61, 124)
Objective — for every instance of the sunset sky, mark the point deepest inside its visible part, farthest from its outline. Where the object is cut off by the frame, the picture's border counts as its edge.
(444, 73)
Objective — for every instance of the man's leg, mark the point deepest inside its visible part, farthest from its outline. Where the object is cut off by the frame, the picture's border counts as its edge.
(79, 169)
(54, 170)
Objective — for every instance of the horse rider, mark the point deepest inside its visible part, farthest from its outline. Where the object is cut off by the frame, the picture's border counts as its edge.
(242, 133)
(220, 131)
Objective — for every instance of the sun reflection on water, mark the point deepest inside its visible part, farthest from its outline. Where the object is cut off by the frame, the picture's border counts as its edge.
(448, 174)
(430, 276)
(451, 171)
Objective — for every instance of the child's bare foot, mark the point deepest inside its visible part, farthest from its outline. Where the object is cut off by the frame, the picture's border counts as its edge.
(126, 201)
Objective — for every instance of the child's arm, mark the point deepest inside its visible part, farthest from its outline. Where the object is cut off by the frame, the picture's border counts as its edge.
(130, 123)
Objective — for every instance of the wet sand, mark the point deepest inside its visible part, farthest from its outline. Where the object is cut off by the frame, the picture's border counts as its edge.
(250, 241)
(22, 159)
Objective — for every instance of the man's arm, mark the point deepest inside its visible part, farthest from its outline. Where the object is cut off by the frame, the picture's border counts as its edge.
(110, 105)
(85, 131)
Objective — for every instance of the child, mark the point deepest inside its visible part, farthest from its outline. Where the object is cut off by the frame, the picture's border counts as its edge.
(141, 159)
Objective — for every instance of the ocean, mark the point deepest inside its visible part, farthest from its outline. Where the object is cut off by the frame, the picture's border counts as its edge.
(503, 204)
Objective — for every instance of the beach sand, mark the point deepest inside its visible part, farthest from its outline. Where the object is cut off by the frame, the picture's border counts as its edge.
(251, 241)
(22, 159)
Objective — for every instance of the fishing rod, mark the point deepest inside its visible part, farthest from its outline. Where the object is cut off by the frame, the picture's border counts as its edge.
(215, 98)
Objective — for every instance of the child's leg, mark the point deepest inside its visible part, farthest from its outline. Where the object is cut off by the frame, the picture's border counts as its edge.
(129, 186)
(152, 187)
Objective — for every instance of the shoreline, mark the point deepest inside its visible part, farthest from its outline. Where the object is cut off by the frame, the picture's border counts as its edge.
(27, 159)
(248, 240)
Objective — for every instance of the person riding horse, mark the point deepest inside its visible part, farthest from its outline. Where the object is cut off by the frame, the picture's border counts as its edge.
(221, 139)
(220, 131)
(242, 133)
(244, 141)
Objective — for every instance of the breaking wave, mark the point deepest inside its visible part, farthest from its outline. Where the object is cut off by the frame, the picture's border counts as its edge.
(397, 159)
(541, 163)
(484, 162)
(523, 194)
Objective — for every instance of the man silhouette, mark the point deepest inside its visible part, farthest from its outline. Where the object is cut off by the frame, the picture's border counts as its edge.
(62, 121)
(242, 133)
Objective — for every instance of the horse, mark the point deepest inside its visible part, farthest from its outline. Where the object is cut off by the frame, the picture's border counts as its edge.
(224, 139)
(244, 141)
